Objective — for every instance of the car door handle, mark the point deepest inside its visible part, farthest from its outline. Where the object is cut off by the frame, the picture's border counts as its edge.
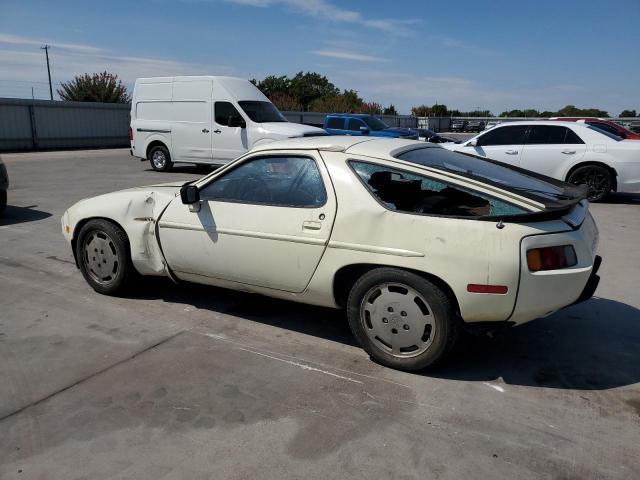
(217, 130)
(568, 152)
(511, 152)
(310, 225)
(204, 130)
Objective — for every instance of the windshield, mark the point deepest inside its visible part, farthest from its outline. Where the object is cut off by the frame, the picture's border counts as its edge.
(505, 176)
(375, 123)
(261, 112)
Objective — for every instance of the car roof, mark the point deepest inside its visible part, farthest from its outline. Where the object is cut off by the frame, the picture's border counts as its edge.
(542, 122)
(349, 115)
(371, 146)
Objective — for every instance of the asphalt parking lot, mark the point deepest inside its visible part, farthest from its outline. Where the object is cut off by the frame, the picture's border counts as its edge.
(190, 382)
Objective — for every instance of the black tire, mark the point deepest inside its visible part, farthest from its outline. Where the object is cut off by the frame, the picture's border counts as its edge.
(597, 178)
(438, 343)
(160, 159)
(110, 271)
(3, 201)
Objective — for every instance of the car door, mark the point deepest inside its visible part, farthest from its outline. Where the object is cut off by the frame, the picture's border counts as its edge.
(501, 143)
(191, 122)
(549, 148)
(266, 222)
(354, 126)
(228, 142)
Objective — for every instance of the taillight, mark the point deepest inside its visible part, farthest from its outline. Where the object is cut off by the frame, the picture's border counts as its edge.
(551, 258)
(130, 134)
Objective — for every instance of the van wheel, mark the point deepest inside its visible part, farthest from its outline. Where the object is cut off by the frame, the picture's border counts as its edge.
(160, 159)
(401, 319)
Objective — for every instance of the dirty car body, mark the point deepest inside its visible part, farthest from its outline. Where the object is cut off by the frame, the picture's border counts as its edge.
(412, 239)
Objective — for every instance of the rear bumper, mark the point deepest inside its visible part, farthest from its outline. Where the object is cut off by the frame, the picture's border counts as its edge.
(592, 283)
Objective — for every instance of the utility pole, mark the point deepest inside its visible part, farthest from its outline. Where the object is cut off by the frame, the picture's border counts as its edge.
(46, 52)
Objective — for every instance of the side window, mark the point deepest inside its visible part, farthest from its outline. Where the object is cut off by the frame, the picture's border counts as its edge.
(222, 112)
(503, 136)
(336, 123)
(572, 137)
(354, 124)
(605, 127)
(546, 135)
(407, 192)
(277, 181)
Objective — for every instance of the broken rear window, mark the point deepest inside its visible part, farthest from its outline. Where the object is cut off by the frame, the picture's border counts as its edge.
(407, 192)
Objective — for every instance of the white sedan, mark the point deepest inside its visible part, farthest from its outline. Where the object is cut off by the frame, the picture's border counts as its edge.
(412, 240)
(574, 152)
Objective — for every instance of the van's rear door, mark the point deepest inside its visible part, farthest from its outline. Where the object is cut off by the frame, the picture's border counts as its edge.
(191, 121)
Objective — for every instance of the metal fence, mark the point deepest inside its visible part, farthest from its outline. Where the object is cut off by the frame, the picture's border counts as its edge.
(46, 124)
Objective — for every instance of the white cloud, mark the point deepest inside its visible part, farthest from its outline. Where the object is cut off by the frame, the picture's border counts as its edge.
(328, 11)
(18, 40)
(346, 55)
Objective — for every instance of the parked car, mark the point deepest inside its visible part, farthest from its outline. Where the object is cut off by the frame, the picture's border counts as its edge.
(204, 119)
(603, 124)
(575, 152)
(360, 124)
(380, 227)
(4, 186)
(458, 125)
(474, 126)
(635, 127)
(492, 123)
(428, 135)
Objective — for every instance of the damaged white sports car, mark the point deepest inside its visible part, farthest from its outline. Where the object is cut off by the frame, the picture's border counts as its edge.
(413, 240)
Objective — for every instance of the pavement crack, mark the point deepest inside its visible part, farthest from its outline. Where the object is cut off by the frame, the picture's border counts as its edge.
(89, 377)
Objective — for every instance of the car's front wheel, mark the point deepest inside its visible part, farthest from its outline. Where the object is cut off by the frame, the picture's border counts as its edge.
(401, 319)
(597, 178)
(103, 256)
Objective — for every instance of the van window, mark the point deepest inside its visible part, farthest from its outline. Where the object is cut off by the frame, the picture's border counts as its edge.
(261, 112)
(275, 181)
(196, 112)
(410, 193)
(224, 110)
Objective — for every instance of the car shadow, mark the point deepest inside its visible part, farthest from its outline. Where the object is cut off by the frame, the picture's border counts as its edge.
(197, 169)
(622, 199)
(590, 346)
(14, 215)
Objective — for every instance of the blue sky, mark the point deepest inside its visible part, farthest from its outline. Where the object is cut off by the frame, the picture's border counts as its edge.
(493, 55)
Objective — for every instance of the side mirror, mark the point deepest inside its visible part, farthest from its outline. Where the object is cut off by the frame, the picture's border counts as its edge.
(236, 121)
(472, 143)
(189, 194)
(364, 130)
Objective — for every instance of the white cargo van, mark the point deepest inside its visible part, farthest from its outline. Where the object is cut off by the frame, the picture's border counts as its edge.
(203, 120)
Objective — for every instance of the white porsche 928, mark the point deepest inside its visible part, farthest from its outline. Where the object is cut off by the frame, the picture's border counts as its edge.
(413, 240)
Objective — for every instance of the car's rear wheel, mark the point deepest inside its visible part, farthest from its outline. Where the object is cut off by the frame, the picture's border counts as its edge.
(103, 256)
(160, 159)
(401, 319)
(597, 178)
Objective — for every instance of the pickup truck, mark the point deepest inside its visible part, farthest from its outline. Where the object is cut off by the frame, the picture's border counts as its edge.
(359, 124)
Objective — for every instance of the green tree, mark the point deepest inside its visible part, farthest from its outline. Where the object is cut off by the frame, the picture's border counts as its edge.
(308, 87)
(628, 113)
(421, 111)
(272, 85)
(439, 110)
(390, 110)
(98, 87)
(371, 108)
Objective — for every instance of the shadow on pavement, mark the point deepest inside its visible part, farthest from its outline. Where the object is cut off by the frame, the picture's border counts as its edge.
(195, 169)
(590, 346)
(13, 215)
(622, 199)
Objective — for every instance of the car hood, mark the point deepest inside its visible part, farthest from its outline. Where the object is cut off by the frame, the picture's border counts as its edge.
(405, 132)
(287, 129)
